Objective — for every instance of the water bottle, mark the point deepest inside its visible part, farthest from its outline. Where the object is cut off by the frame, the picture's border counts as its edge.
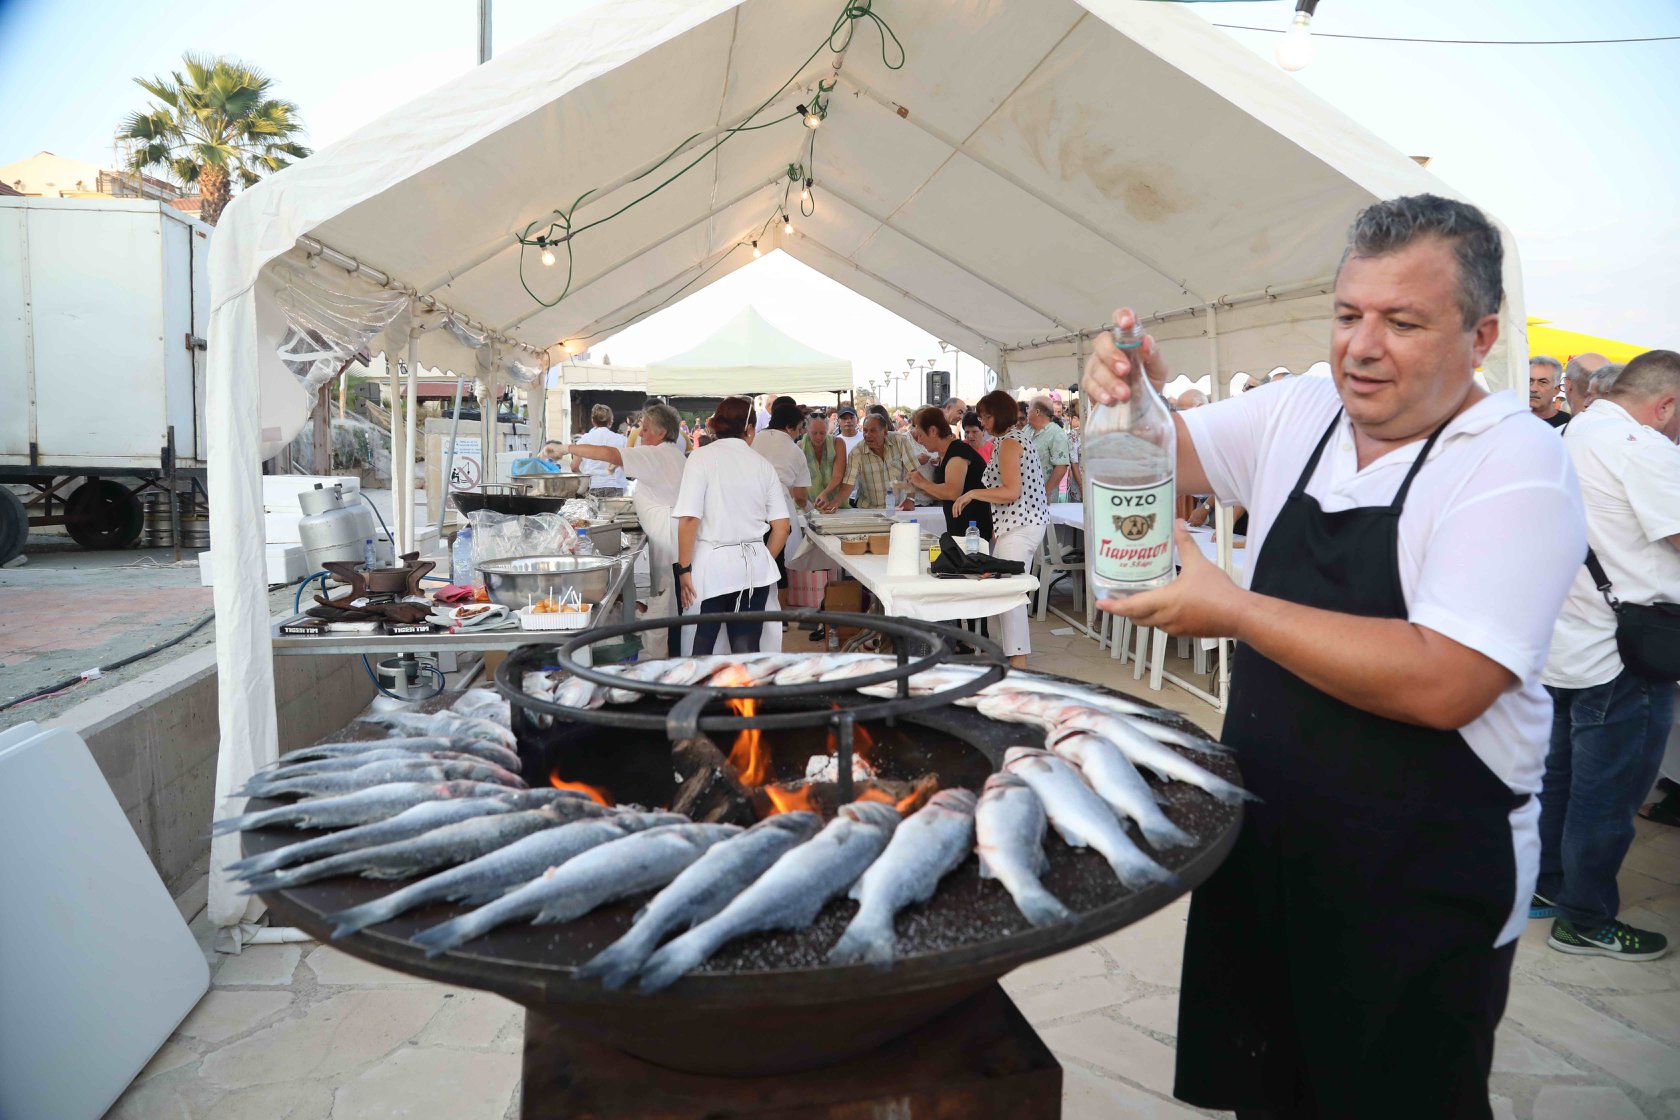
(370, 558)
(971, 539)
(833, 634)
(461, 570)
(892, 495)
(1129, 453)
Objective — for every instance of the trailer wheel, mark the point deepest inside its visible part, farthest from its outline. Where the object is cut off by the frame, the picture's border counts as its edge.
(103, 514)
(14, 525)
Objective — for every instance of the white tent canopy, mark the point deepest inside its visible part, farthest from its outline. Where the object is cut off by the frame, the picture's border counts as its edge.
(749, 354)
(1030, 167)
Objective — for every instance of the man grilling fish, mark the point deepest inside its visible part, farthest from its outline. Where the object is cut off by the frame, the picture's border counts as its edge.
(1352, 956)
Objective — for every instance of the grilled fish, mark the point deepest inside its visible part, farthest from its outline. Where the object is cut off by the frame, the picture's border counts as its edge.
(1111, 774)
(923, 850)
(453, 843)
(442, 723)
(576, 692)
(484, 703)
(701, 891)
(362, 807)
(1144, 751)
(288, 769)
(461, 744)
(410, 822)
(617, 869)
(480, 880)
(379, 773)
(1009, 825)
(789, 895)
(1082, 818)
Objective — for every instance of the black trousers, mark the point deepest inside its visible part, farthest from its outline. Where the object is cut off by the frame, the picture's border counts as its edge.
(743, 636)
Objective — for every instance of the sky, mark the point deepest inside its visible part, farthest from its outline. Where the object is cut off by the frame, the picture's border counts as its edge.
(1573, 147)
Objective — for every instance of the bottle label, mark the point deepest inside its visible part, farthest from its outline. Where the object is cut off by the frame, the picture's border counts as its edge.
(1132, 527)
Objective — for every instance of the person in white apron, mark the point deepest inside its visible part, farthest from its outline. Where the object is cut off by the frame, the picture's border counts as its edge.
(656, 463)
(729, 503)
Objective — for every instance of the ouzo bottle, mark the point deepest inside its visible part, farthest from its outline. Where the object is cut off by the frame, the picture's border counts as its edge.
(1129, 452)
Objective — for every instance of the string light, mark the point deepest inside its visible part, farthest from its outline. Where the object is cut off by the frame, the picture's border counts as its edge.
(805, 192)
(1295, 49)
(787, 224)
(756, 252)
(548, 256)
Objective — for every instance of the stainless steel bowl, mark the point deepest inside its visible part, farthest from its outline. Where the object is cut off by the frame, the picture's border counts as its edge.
(617, 507)
(520, 581)
(563, 485)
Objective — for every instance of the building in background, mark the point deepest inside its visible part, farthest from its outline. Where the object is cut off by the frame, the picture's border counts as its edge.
(45, 175)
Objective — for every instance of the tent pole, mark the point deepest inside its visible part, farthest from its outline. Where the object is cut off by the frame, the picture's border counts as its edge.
(448, 479)
(393, 373)
(488, 407)
(483, 31)
(411, 410)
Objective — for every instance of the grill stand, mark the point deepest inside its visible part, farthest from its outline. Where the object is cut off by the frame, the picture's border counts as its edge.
(980, 1060)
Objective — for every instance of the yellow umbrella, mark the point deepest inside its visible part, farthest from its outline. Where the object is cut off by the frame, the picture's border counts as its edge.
(1563, 345)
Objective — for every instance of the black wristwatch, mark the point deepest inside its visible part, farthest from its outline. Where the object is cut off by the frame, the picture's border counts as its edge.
(684, 569)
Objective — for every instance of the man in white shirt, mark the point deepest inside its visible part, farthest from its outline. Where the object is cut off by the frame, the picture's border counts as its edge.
(778, 443)
(1610, 724)
(604, 477)
(1386, 706)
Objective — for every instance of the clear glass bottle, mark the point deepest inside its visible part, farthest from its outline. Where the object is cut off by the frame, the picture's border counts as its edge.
(1129, 453)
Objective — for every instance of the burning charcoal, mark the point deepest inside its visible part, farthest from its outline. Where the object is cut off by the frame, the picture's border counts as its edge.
(823, 798)
(826, 768)
(711, 791)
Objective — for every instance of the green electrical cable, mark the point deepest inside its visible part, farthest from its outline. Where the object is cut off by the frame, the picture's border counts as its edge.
(560, 231)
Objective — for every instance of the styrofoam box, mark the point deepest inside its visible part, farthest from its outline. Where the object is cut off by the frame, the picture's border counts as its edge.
(284, 564)
(282, 528)
(280, 491)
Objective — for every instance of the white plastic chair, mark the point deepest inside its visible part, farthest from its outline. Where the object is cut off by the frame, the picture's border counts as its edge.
(1053, 558)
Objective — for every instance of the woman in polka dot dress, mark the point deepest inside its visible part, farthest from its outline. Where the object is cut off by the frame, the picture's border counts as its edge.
(1014, 486)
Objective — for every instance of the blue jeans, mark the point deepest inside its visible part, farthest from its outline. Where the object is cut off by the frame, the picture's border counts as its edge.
(743, 637)
(1607, 743)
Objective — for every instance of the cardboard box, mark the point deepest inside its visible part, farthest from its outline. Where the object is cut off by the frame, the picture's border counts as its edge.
(844, 595)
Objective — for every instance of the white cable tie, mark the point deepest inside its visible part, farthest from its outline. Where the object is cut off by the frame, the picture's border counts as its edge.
(92, 674)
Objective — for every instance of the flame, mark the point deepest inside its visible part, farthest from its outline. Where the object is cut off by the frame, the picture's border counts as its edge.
(594, 793)
(748, 755)
(785, 799)
(907, 804)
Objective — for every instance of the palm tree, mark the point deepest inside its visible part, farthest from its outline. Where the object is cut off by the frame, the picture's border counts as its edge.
(216, 122)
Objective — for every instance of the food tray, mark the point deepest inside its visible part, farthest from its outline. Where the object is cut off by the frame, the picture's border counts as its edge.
(530, 619)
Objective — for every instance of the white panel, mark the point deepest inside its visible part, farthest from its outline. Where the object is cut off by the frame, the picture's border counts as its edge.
(14, 349)
(98, 332)
(199, 448)
(177, 238)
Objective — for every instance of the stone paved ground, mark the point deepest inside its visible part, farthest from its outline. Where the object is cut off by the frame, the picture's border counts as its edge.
(302, 1032)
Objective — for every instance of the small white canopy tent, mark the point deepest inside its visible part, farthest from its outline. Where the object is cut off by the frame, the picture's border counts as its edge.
(749, 354)
(1030, 167)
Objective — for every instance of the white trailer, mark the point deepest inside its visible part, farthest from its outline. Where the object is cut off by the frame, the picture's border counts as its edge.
(103, 308)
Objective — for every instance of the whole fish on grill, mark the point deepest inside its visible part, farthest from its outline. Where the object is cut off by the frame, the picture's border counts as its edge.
(1110, 773)
(379, 773)
(860, 668)
(484, 703)
(575, 692)
(1049, 711)
(442, 723)
(812, 667)
(287, 769)
(460, 744)
(450, 844)
(1009, 825)
(620, 868)
(480, 880)
(789, 895)
(702, 890)
(646, 671)
(683, 671)
(1144, 751)
(1082, 818)
(362, 807)
(410, 822)
(924, 849)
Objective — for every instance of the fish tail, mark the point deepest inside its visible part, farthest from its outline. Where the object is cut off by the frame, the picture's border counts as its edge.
(1039, 906)
(1219, 788)
(358, 918)
(439, 939)
(1165, 834)
(667, 966)
(618, 962)
(865, 941)
(252, 865)
(245, 821)
(1137, 871)
(256, 884)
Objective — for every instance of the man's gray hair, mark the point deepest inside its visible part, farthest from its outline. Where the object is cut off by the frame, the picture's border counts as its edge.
(1045, 406)
(1651, 374)
(665, 418)
(1550, 363)
(1605, 378)
(1389, 226)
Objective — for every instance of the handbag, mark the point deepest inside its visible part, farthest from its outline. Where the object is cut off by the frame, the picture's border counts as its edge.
(1647, 636)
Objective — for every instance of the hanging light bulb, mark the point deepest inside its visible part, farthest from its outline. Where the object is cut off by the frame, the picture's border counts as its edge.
(805, 192)
(787, 224)
(1295, 50)
(571, 347)
(812, 118)
(756, 252)
(548, 256)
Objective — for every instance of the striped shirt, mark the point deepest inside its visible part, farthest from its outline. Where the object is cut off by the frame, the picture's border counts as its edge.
(869, 473)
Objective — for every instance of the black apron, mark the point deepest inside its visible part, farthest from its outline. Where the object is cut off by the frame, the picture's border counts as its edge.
(1341, 962)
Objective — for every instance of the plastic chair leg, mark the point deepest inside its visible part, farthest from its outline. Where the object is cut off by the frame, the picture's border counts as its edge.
(1140, 652)
(1157, 659)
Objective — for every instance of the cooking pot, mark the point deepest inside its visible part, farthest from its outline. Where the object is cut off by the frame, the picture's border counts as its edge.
(563, 485)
